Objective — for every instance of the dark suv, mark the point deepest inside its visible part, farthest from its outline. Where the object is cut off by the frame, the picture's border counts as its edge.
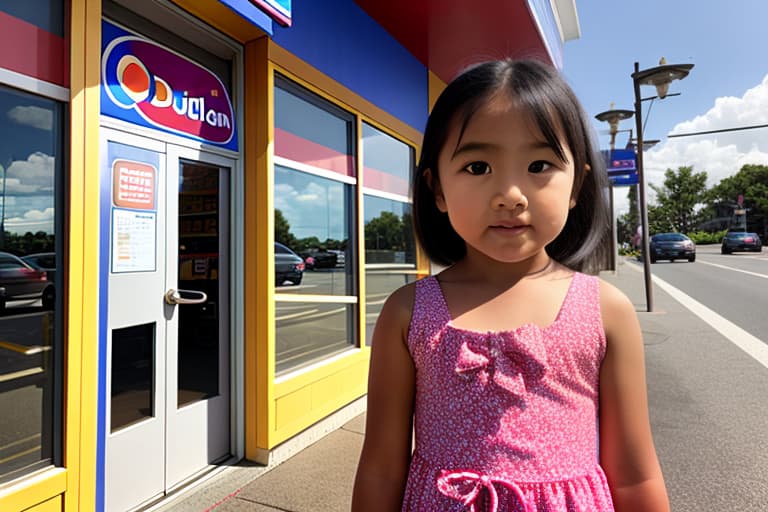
(741, 241)
(672, 246)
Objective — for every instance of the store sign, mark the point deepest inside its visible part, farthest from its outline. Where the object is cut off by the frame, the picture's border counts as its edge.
(146, 84)
(133, 185)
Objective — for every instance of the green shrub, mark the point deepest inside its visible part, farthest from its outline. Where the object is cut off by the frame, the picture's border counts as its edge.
(629, 252)
(705, 237)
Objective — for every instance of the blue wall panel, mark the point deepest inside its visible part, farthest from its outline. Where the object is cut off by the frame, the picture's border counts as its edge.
(338, 38)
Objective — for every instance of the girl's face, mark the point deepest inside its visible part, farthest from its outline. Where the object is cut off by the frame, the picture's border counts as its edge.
(506, 192)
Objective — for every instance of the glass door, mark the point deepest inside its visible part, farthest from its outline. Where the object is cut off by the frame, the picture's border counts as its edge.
(168, 371)
(198, 325)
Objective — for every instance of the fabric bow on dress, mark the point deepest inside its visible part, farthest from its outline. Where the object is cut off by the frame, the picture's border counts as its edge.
(509, 359)
(466, 486)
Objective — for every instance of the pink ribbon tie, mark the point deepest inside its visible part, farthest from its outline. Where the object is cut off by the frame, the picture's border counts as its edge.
(510, 360)
(466, 486)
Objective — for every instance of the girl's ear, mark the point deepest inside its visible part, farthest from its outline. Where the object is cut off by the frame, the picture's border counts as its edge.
(434, 186)
(572, 203)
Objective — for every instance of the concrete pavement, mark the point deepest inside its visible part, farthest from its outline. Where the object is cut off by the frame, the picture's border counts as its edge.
(320, 476)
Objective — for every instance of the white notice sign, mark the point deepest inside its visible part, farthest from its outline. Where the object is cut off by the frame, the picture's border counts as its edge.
(133, 240)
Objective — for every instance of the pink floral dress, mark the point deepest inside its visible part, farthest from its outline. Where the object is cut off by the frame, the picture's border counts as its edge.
(507, 421)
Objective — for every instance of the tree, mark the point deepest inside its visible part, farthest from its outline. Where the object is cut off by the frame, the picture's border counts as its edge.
(385, 232)
(283, 230)
(676, 201)
(751, 182)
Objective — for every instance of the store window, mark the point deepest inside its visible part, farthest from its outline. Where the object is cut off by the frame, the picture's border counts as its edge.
(390, 248)
(31, 280)
(315, 272)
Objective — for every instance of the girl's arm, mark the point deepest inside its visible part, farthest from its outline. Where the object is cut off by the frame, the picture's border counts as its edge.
(627, 454)
(383, 467)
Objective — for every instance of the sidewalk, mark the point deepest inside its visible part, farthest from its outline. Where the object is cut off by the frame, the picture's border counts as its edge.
(320, 477)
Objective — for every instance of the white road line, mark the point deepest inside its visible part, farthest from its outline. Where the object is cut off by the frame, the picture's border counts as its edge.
(754, 347)
(764, 276)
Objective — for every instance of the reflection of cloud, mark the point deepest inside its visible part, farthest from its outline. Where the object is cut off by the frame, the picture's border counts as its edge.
(36, 117)
(312, 208)
(32, 221)
(720, 154)
(33, 175)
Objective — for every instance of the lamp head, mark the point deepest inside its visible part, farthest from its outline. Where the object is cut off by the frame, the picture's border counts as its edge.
(661, 76)
(613, 116)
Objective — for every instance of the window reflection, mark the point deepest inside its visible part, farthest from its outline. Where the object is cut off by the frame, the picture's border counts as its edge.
(390, 255)
(387, 162)
(312, 131)
(331, 327)
(388, 231)
(30, 277)
(312, 219)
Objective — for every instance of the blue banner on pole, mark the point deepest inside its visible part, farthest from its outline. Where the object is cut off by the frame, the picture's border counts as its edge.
(620, 161)
(624, 180)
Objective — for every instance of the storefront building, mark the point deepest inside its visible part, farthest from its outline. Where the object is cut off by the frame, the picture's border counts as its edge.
(204, 205)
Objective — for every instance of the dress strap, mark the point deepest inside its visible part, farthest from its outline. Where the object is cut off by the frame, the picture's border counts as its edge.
(430, 312)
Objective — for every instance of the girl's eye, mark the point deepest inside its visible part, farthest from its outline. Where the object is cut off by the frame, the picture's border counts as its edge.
(478, 168)
(539, 166)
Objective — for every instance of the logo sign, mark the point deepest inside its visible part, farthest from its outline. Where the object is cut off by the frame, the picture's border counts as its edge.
(133, 185)
(147, 84)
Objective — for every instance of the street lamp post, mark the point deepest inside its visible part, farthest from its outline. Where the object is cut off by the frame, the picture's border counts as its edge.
(613, 117)
(660, 77)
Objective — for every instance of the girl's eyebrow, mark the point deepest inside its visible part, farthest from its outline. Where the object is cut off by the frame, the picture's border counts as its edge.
(467, 147)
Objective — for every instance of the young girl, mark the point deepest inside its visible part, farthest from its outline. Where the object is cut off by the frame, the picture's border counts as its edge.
(509, 359)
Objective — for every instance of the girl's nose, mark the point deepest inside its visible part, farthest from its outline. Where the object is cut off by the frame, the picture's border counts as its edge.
(512, 198)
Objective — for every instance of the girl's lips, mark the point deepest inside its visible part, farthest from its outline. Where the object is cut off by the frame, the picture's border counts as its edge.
(510, 229)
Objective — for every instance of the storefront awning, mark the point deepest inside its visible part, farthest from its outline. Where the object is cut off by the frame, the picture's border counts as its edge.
(448, 35)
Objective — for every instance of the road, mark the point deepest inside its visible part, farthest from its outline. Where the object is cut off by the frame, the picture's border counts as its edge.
(706, 394)
(733, 285)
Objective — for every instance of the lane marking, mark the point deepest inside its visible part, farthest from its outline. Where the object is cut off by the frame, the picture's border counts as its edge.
(764, 276)
(754, 347)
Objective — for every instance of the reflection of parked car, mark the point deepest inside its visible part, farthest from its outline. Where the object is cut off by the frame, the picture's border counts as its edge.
(320, 259)
(340, 256)
(741, 241)
(43, 261)
(20, 281)
(672, 246)
(289, 266)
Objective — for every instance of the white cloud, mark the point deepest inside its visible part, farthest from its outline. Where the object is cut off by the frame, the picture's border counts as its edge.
(36, 117)
(32, 221)
(721, 154)
(35, 174)
(314, 210)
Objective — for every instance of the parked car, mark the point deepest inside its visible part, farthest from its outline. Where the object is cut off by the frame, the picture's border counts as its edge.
(289, 266)
(320, 258)
(43, 261)
(21, 281)
(741, 241)
(672, 246)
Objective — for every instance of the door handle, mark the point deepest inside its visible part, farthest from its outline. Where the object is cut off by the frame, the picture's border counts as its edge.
(185, 297)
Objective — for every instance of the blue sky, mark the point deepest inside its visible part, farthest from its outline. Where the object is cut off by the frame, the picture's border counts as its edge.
(727, 44)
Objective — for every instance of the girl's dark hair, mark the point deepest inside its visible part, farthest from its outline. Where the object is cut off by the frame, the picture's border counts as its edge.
(542, 91)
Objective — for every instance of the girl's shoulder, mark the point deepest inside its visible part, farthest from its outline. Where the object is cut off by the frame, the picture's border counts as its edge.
(617, 311)
(398, 308)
